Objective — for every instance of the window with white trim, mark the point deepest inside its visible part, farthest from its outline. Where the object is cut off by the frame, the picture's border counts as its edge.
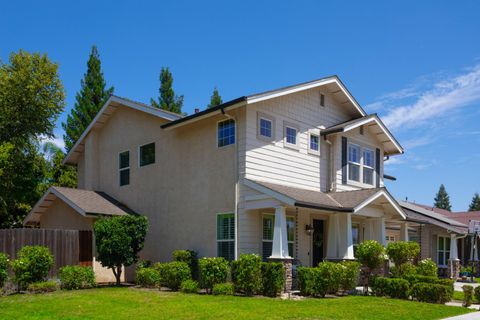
(225, 133)
(147, 154)
(226, 236)
(268, 223)
(314, 142)
(361, 164)
(355, 236)
(443, 250)
(124, 168)
(354, 162)
(368, 166)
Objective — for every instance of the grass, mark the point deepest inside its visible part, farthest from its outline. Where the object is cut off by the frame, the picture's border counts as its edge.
(131, 303)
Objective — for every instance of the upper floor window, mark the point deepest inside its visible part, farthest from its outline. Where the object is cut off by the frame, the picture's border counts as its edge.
(124, 167)
(226, 133)
(314, 142)
(265, 127)
(361, 164)
(147, 154)
(290, 135)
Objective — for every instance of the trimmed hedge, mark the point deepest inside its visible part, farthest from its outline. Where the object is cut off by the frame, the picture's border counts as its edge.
(379, 286)
(401, 252)
(76, 277)
(42, 287)
(190, 257)
(223, 289)
(272, 278)
(350, 270)
(189, 286)
(404, 270)
(32, 265)
(467, 295)
(212, 271)
(248, 274)
(320, 280)
(172, 274)
(147, 277)
(3, 269)
(430, 292)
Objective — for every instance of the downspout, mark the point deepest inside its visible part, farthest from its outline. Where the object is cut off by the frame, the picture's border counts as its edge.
(331, 166)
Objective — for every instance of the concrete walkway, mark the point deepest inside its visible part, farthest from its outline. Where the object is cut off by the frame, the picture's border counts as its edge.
(468, 316)
(458, 285)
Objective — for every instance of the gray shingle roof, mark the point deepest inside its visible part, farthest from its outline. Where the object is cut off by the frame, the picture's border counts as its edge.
(419, 213)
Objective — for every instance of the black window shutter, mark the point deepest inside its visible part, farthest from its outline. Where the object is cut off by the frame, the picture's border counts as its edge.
(377, 166)
(344, 160)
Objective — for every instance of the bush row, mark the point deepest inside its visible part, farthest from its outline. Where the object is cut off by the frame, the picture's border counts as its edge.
(328, 277)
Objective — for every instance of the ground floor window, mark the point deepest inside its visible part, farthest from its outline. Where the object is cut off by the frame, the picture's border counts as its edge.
(226, 236)
(355, 236)
(443, 250)
(268, 223)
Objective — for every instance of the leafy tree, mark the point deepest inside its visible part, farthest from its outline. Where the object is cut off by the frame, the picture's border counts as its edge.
(215, 99)
(475, 205)
(31, 97)
(57, 173)
(371, 254)
(118, 241)
(401, 252)
(167, 99)
(442, 199)
(92, 96)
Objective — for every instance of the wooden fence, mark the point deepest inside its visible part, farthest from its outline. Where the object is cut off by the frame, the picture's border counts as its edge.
(64, 244)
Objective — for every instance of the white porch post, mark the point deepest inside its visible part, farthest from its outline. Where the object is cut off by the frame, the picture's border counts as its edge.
(453, 263)
(404, 231)
(346, 250)
(368, 235)
(453, 247)
(380, 232)
(333, 237)
(280, 243)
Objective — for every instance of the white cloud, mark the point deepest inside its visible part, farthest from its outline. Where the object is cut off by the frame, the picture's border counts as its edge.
(57, 141)
(417, 142)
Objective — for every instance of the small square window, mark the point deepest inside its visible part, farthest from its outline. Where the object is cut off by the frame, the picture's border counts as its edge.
(291, 135)
(265, 127)
(147, 154)
(226, 133)
(314, 142)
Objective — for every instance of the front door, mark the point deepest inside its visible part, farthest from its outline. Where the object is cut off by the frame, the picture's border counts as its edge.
(317, 242)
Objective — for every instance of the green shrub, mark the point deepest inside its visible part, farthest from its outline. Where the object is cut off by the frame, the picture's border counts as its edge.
(467, 295)
(248, 274)
(223, 289)
(189, 286)
(403, 270)
(427, 267)
(398, 288)
(477, 293)
(416, 278)
(371, 254)
(32, 265)
(144, 264)
(305, 276)
(3, 269)
(172, 274)
(147, 277)
(212, 271)
(42, 287)
(272, 278)
(190, 257)
(329, 281)
(349, 272)
(401, 252)
(379, 286)
(430, 292)
(76, 277)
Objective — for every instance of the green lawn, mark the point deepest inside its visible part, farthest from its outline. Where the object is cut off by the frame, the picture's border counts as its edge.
(131, 303)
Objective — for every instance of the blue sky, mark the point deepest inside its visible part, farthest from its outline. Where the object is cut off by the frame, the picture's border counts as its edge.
(414, 63)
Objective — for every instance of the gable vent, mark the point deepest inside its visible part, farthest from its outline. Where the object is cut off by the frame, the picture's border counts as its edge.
(361, 130)
(322, 100)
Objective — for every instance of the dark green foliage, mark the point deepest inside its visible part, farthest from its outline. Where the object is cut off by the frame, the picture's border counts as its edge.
(32, 265)
(223, 289)
(57, 173)
(403, 270)
(248, 274)
(433, 293)
(212, 271)
(118, 241)
(349, 273)
(215, 99)
(189, 286)
(190, 257)
(305, 277)
(467, 295)
(371, 254)
(172, 274)
(477, 293)
(272, 278)
(427, 267)
(320, 280)
(392, 287)
(475, 204)
(167, 99)
(147, 277)
(92, 96)
(379, 286)
(401, 252)
(42, 287)
(77, 277)
(3, 269)
(442, 199)
(144, 264)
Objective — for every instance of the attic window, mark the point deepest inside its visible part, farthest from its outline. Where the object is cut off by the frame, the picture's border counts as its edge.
(322, 100)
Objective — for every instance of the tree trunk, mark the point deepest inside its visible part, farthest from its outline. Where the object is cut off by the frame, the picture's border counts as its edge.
(117, 272)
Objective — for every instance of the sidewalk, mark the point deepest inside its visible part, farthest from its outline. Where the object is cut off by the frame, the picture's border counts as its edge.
(468, 316)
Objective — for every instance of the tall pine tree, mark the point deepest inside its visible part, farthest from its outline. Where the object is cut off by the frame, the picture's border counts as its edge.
(92, 96)
(475, 205)
(167, 99)
(215, 99)
(442, 199)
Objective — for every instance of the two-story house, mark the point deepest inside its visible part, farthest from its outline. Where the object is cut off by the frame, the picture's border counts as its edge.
(293, 173)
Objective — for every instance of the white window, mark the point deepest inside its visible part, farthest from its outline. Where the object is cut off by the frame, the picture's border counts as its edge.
(314, 142)
(226, 133)
(268, 223)
(147, 154)
(443, 250)
(226, 236)
(390, 239)
(265, 127)
(124, 167)
(361, 164)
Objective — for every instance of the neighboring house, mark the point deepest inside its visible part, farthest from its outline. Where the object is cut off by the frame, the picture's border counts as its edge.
(293, 173)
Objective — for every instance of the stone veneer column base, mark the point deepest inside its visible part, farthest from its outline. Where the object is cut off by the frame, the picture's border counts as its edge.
(287, 265)
(453, 268)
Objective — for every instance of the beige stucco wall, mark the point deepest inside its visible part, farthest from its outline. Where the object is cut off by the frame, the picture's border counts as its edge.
(190, 182)
(61, 216)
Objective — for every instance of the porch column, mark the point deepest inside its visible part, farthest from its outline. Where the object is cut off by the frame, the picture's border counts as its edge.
(280, 246)
(453, 263)
(404, 231)
(345, 237)
(380, 231)
(333, 237)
